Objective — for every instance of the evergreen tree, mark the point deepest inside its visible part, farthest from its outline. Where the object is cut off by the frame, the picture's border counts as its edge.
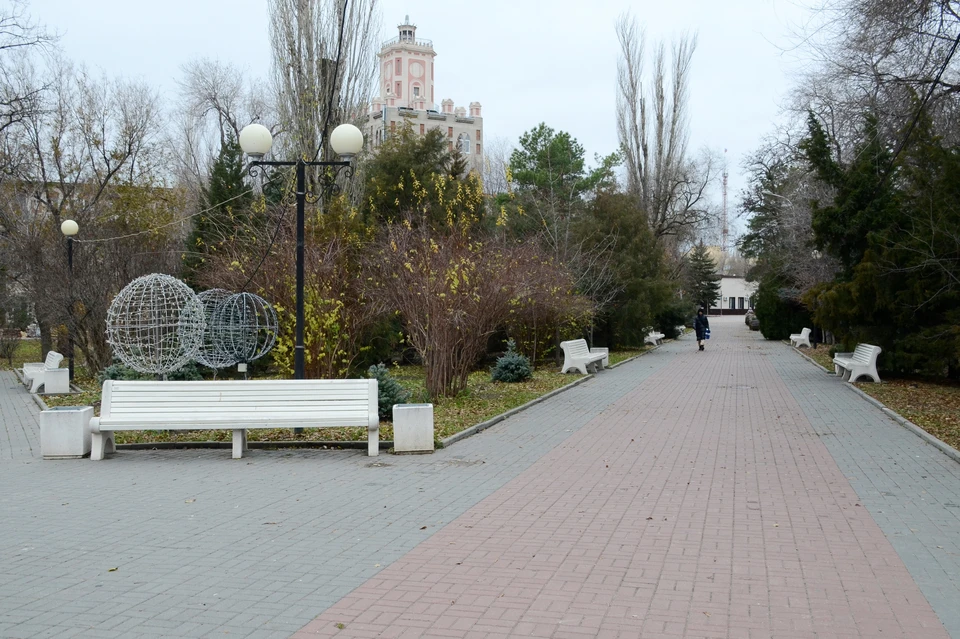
(224, 214)
(703, 277)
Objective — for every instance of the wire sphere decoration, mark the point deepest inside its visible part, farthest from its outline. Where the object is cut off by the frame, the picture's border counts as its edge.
(155, 324)
(245, 327)
(210, 353)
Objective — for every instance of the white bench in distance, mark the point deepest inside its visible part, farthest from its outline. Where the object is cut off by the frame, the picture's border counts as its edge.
(235, 405)
(47, 374)
(801, 338)
(654, 338)
(862, 361)
(577, 355)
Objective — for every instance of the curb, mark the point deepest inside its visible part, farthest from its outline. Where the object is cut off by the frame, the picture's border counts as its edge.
(944, 447)
(482, 426)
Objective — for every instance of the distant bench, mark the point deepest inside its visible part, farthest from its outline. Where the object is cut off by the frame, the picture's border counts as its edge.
(653, 338)
(47, 374)
(801, 338)
(577, 355)
(236, 406)
(862, 361)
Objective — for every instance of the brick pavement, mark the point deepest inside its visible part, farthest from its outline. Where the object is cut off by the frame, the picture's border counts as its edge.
(701, 504)
(203, 544)
(766, 539)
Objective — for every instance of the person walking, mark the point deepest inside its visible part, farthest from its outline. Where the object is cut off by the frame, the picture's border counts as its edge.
(702, 326)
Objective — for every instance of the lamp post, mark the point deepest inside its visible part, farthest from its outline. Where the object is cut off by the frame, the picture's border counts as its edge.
(70, 228)
(346, 141)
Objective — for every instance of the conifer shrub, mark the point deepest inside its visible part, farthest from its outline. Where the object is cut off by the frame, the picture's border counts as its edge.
(389, 391)
(512, 367)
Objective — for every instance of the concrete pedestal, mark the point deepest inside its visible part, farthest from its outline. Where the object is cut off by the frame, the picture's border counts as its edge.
(606, 354)
(65, 432)
(413, 428)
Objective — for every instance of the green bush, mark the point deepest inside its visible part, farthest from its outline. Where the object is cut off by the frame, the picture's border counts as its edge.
(512, 367)
(389, 391)
(190, 372)
(778, 311)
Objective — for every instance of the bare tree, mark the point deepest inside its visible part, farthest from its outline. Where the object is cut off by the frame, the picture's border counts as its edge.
(653, 130)
(19, 35)
(324, 66)
(496, 166)
(91, 152)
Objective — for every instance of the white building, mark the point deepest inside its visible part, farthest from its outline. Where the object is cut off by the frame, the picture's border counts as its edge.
(735, 292)
(407, 95)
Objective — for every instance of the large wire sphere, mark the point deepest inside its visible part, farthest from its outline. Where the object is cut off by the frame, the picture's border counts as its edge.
(244, 327)
(155, 324)
(211, 354)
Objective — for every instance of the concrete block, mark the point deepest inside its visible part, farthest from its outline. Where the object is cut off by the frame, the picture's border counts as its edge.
(65, 432)
(413, 428)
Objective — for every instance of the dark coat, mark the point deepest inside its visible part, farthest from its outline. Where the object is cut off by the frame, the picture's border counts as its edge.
(700, 325)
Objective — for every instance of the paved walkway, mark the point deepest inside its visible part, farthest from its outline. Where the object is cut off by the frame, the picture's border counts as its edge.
(738, 492)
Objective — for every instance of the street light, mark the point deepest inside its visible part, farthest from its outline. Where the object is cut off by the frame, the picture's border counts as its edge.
(70, 228)
(256, 140)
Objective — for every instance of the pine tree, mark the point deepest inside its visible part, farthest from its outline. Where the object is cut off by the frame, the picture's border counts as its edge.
(704, 279)
(223, 209)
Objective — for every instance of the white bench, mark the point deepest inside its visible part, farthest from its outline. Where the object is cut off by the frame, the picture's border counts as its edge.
(577, 355)
(47, 374)
(801, 338)
(862, 361)
(236, 406)
(681, 330)
(653, 338)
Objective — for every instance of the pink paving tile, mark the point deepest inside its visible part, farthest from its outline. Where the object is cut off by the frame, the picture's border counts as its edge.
(702, 503)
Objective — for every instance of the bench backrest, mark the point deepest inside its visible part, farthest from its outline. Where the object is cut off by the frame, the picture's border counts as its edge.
(575, 348)
(53, 360)
(805, 333)
(865, 353)
(328, 402)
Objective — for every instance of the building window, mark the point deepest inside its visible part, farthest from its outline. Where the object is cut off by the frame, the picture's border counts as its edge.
(416, 92)
(463, 143)
(740, 301)
(398, 70)
(398, 90)
(449, 131)
(393, 126)
(733, 303)
(478, 149)
(421, 133)
(478, 135)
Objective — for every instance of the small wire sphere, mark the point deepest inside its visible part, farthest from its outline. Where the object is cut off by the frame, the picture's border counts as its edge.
(211, 354)
(155, 324)
(245, 327)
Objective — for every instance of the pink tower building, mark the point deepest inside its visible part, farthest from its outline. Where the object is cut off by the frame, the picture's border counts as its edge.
(408, 95)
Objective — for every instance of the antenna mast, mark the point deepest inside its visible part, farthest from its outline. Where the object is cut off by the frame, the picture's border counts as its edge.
(724, 230)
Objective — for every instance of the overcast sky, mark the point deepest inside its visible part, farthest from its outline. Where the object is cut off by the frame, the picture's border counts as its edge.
(525, 61)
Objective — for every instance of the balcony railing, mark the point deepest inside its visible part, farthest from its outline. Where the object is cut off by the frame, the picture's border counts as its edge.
(418, 42)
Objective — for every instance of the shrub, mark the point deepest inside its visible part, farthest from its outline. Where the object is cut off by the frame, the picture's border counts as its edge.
(118, 370)
(512, 367)
(389, 391)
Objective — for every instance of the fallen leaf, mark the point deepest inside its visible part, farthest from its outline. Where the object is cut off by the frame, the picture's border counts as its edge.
(112, 569)
(423, 527)
(189, 501)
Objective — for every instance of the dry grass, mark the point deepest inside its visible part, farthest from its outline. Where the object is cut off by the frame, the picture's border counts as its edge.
(933, 405)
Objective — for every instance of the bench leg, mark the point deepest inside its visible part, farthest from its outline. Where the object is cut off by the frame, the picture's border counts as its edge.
(102, 443)
(373, 442)
(239, 442)
(36, 383)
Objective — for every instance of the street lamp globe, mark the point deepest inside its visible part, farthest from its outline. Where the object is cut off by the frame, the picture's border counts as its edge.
(346, 140)
(255, 140)
(69, 228)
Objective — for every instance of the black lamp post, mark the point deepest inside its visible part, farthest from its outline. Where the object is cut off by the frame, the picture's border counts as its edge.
(256, 140)
(70, 228)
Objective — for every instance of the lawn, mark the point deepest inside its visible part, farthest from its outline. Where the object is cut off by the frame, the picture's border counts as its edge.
(483, 399)
(933, 405)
